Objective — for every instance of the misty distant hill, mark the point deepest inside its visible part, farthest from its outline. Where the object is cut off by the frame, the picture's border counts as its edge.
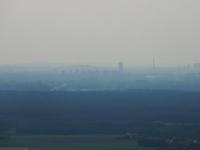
(55, 77)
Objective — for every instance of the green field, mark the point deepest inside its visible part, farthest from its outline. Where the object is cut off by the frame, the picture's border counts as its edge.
(71, 142)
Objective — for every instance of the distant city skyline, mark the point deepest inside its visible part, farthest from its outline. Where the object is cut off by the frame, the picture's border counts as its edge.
(99, 31)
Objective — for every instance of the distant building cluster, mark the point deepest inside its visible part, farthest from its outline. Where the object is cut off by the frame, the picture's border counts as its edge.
(87, 77)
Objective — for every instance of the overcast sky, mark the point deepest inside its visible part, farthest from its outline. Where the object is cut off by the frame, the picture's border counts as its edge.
(99, 31)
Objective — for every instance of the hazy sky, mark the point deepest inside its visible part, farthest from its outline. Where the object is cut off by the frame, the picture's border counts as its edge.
(98, 31)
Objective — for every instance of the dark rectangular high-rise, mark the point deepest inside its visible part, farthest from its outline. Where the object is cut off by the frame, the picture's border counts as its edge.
(120, 67)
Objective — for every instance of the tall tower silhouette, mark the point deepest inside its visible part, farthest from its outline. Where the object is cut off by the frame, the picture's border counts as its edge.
(120, 67)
